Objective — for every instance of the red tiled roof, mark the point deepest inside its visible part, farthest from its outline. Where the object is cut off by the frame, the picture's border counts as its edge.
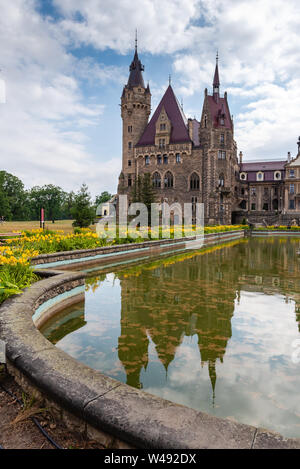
(179, 132)
(217, 108)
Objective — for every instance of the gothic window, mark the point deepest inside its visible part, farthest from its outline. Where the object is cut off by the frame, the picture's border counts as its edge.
(168, 180)
(178, 158)
(221, 180)
(162, 127)
(147, 160)
(159, 160)
(194, 182)
(130, 129)
(129, 145)
(166, 160)
(222, 155)
(156, 180)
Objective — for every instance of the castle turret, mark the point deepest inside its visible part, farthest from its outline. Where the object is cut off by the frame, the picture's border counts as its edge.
(135, 111)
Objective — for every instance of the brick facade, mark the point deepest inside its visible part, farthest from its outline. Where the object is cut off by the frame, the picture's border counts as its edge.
(191, 161)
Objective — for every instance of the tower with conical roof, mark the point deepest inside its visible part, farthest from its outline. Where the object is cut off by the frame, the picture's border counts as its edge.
(220, 164)
(135, 111)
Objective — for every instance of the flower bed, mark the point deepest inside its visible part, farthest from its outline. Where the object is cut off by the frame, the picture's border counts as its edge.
(15, 256)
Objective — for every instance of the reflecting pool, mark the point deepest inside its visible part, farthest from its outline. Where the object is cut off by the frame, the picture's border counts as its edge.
(216, 330)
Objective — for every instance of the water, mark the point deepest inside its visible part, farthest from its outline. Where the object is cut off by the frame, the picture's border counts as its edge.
(214, 330)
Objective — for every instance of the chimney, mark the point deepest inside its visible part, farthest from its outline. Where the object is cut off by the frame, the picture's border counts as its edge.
(241, 157)
(289, 157)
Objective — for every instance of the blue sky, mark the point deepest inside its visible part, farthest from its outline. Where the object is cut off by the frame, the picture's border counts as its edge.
(65, 62)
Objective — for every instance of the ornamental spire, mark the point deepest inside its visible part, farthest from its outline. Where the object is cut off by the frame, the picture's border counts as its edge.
(216, 82)
(136, 68)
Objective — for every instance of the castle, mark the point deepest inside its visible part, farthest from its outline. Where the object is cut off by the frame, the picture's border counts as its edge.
(196, 161)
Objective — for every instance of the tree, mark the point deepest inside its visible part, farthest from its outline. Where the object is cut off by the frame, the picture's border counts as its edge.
(13, 192)
(82, 210)
(143, 192)
(101, 199)
(50, 198)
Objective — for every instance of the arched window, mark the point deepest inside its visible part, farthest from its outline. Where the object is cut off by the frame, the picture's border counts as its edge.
(221, 180)
(168, 180)
(194, 182)
(156, 180)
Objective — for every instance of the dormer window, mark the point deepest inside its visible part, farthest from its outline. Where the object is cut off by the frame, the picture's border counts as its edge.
(222, 121)
(277, 175)
(162, 127)
(243, 176)
(260, 176)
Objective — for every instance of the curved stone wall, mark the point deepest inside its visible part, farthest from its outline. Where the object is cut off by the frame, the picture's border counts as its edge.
(112, 412)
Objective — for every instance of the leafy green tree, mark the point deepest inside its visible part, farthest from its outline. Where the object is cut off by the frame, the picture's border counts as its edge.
(82, 211)
(50, 198)
(102, 198)
(15, 195)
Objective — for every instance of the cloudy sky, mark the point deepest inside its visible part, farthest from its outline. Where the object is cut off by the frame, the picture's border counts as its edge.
(64, 63)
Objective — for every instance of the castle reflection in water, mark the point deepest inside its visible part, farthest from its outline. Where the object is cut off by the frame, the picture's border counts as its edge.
(167, 300)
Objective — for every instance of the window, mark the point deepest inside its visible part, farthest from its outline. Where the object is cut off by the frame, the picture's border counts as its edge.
(266, 206)
(292, 204)
(166, 159)
(159, 159)
(266, 191)
(130, 129)
(162, 143)
(147, 160)
(243, 176)
(253, 191)
(162, 127)
(259, 176)
(156, 180)
(253, 206)
(292, 173)
(243, 191)
(222, 155)
(222, 139)
(205, 121)
(221, 180)
(292, 188)
(129, 162)
(178, 158)
(129, 145)
(168, 180)
(129, 181)
(222, 121)
(277, 175)
(194, 182)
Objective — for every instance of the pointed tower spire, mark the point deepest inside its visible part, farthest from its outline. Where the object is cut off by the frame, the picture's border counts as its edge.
(136, 68)
(216, 82)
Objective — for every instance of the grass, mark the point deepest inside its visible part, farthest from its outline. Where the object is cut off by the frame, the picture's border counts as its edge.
(64, 225)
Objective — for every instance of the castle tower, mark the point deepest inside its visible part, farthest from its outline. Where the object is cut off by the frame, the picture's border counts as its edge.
(216, 135)
(135, 111)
